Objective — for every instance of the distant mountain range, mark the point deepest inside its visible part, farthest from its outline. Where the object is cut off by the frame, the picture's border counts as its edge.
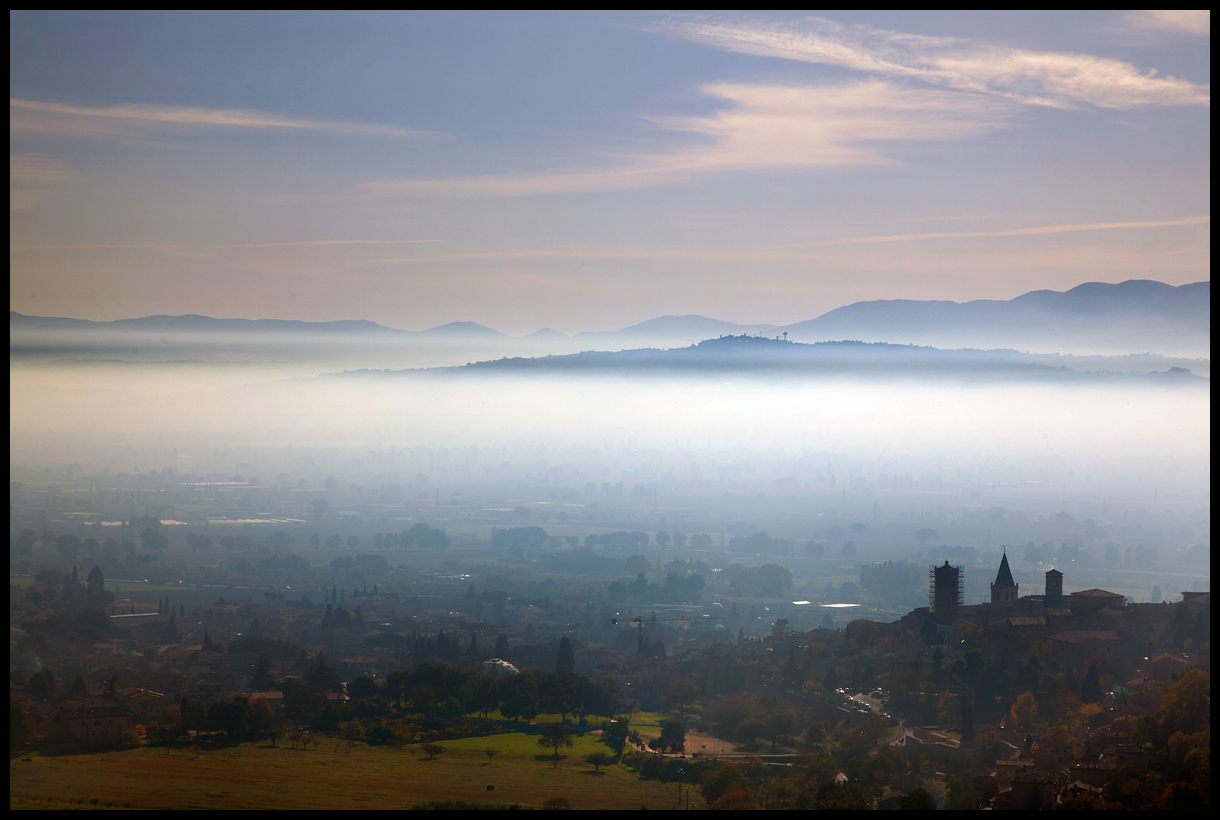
(1130, 317)
(1133, 316)
(760, 356)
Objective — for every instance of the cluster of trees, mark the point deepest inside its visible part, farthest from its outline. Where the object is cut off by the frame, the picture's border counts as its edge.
(419, 537)
(360, 567)
(1178, 735)
(621, 540)
(678, 589)
(520, 537)
(769, 579)
(760, 543)
(236, 717)
(340, 618)
(899, 584)
(433, 697)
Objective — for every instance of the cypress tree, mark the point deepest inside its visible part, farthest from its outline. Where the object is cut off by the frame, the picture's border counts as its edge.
(565, 660)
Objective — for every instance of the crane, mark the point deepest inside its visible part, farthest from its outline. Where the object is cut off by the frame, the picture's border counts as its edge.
(640, 619)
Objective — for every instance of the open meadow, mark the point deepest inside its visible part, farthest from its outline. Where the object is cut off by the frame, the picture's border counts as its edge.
(331, 776)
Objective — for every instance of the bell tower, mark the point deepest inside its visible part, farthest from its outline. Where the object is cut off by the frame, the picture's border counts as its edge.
(1004, 590)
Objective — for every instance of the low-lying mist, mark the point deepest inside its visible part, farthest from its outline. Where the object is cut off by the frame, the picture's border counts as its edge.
(1149, 434)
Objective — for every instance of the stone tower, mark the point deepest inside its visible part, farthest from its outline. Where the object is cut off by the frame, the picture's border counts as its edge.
(1054, 589)
(1004, 590)
(946, 592)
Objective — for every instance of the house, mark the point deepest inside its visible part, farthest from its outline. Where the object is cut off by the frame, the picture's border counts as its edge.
(95, 722)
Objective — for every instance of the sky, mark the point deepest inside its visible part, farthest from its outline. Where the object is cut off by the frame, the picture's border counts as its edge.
(590, 171)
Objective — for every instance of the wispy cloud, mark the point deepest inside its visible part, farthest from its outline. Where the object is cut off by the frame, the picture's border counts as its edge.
(759, 128)
(31, 177)
(196, 250)
(111, 246)
(34, 116)
(317, 243)
(1056, 79)
(1191, 22)
(1033, 231)
(771, 253)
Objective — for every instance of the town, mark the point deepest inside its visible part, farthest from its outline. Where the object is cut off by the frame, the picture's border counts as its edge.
(748, 662)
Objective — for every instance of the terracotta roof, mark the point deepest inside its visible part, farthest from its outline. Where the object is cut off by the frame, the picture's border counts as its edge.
(1096, 593)
(1023, 620)
(1085, 635)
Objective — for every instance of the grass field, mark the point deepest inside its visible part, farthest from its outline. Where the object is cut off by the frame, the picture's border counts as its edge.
(257, 776)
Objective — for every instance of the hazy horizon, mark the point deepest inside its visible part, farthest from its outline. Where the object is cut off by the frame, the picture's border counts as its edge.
(584, 172)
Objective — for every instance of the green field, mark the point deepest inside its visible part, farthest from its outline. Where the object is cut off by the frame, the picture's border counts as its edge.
(257, 776)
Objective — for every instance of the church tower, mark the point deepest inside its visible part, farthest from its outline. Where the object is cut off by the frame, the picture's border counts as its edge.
(1004, 590)
(946, 589)
(1054, 589)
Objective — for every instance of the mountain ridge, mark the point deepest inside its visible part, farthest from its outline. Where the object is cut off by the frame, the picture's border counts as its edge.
(1131, 316)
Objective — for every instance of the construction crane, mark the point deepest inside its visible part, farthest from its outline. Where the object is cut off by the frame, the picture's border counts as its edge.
(639, 624)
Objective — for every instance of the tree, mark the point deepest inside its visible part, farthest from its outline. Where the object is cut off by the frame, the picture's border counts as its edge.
(1186, 706)
(261, 678)
(555, 735)
(422, 536)
(1090, 690)
(78, 689)
(673, 735)
(560, 692)
(614, 734)
(918, 800)
(681, 693)
(747, 731)
(24, 545)
(774, 578)
(831, 681)
(362, 687)
(97, 583)
(229, 716)
(1021, 716)
(432, 750)
(68, 547)
(519, 696)
(323, 676)
(565, 660)
(726, 778)
(598, 759)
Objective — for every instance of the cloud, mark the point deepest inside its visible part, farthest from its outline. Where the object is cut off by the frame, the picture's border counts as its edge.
(169, 247)
(1192, 22)
(32, 177)
(33, 116)
(1054, 79)
(1033, 231)
(800, 252)
(206, 251)
(758, 128)
(317, 243)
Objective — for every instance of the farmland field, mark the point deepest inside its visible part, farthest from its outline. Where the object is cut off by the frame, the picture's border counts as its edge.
(257, 776)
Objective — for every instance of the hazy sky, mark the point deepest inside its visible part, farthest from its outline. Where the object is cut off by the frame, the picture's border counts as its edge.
(589, 171)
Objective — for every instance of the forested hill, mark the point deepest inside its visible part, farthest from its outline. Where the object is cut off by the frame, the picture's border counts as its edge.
(760, 355)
